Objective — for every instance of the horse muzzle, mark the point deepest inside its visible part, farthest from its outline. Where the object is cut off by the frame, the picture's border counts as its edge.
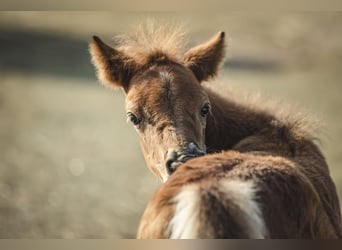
(175, 158)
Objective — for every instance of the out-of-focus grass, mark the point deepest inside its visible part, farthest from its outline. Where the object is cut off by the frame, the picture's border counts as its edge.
(71, 167)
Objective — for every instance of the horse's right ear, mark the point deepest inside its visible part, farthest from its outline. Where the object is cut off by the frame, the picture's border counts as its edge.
(114, 68)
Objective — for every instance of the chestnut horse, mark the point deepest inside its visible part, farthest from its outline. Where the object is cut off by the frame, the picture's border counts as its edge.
(263, 176)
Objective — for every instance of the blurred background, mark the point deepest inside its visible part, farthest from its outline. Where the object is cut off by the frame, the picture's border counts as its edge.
(70, 166)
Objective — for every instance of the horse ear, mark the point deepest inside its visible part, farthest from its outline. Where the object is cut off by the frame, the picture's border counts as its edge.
(204, 59)
(114, 68)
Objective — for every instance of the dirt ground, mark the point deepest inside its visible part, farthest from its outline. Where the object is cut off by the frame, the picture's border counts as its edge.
(70, 165)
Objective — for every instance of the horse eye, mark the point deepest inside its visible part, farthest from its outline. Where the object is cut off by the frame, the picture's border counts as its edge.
(133, 119)
(205, 109)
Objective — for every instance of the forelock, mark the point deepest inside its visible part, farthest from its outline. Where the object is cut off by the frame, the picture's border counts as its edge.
(153, 41)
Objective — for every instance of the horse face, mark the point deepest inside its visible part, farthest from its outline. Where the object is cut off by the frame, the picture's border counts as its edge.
(164, 99)
(168, 108)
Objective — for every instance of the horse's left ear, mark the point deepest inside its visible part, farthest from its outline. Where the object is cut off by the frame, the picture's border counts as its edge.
(204, 60)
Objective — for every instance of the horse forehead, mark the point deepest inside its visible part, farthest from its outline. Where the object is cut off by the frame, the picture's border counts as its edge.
(164, 87)
(149, 89)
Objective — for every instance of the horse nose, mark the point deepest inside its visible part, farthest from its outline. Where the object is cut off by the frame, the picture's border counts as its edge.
(171, 158)
(193, 149)
(175, 158)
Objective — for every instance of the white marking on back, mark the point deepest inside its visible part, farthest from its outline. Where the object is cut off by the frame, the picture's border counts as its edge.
(243, 195)
(185, 222)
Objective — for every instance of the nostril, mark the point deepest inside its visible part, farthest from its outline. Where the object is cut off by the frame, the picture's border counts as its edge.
(168, 165)
(192, 146)
(194, 149)
(173, 159)
(170, 159)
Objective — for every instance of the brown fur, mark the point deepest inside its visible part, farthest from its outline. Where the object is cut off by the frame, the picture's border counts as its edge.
(204, 59)
(113, 66)
(163, 92)
(290, 204)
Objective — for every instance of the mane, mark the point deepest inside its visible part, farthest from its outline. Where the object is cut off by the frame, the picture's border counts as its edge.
(152, 40)
(299, 123)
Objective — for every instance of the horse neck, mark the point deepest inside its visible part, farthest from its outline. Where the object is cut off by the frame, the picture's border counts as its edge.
(229, 123)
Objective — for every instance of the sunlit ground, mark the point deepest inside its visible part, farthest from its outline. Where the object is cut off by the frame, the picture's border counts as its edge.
(70, 165)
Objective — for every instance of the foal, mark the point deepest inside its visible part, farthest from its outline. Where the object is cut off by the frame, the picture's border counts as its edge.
(264, 176)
